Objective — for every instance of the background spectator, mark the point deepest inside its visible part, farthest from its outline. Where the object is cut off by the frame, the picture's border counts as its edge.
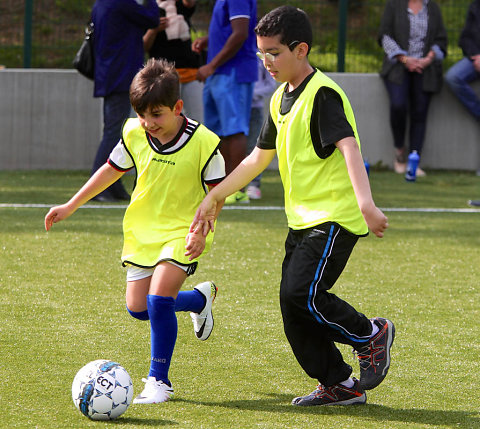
(119, 55)
(467, 70)
(414, 39)
(263, 89)
(171, 40)
(229, 76)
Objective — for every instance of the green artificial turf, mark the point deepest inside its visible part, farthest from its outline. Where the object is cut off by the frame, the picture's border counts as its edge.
(62, 305)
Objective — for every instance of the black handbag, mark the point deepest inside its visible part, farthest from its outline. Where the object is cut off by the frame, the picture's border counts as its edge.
(84, 60)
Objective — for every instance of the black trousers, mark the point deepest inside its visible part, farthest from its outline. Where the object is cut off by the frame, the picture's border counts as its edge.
(408, 100)
(314, 319)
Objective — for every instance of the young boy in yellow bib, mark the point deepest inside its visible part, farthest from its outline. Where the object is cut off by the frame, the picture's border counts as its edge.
(177, 161)
(328, 204)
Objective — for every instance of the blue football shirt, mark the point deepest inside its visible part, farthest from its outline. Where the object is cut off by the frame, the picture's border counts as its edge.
(245, 60)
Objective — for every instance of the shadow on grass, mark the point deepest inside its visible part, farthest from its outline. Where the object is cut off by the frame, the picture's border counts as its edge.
(135, 421)
(281, 404)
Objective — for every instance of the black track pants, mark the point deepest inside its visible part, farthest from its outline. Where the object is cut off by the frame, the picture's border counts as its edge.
(313, 318)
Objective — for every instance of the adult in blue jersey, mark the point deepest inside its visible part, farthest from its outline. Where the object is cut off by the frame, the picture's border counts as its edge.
(229, 75)
(119, 29)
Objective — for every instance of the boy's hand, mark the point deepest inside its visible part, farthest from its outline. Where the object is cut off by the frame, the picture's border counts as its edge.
(56, 214)
(204, 220)
(195, 245)
(376, 221)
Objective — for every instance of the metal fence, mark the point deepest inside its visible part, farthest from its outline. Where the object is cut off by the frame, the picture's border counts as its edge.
(47, 33)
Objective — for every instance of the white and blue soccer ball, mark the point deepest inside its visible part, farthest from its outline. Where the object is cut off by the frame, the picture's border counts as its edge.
(102, 390)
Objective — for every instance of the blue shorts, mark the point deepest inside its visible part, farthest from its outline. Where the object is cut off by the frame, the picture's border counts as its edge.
(227, 104)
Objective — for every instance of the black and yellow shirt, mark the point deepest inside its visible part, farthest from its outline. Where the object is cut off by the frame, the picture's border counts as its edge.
(317, 187)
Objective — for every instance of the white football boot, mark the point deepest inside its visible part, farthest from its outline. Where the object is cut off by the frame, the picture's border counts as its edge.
(154, 392)
(203, 321)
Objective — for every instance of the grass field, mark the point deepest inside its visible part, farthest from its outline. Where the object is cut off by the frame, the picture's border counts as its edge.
(62, 305)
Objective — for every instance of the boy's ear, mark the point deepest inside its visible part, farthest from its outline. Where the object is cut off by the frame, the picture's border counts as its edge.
(178, 107)
(302, 50)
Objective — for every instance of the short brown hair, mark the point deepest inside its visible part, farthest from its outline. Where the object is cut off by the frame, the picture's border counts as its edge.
(156, 84)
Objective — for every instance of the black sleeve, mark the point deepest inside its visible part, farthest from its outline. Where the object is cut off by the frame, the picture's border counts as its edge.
(187, 12)
(329, 123)
(469, 35)
(268, 134)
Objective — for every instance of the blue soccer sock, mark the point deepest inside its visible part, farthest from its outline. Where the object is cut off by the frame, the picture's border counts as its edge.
(191, 300)
(140, 315)
(163, 327)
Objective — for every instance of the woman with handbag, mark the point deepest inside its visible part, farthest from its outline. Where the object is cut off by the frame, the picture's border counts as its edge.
(119, 26)
(414, 39)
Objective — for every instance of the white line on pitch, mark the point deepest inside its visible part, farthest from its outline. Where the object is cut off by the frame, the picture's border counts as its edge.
(247, 207)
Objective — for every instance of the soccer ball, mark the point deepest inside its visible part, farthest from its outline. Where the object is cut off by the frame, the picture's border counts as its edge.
(102, 390)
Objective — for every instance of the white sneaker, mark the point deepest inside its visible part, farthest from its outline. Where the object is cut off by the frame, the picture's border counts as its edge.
(154, 392)
(203, 321)
(254, 192)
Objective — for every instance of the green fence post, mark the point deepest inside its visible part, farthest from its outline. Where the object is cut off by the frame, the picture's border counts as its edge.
(342, 35)
(27, 34)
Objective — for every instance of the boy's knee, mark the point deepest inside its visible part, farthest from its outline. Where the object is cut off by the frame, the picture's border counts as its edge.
(140, 315)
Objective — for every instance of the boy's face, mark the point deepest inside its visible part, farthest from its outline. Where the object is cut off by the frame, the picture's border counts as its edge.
(161, 121)
(278, 59)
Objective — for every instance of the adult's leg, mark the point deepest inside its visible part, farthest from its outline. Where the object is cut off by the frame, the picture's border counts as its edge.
(234, 150)
(420, 101)
(116, 109)
(256, 122)
(398, 96)
(227, 110)
(458, 78)
(191, 94)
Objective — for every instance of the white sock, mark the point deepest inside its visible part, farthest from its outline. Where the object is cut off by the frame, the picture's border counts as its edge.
(375, 328)
(348, 382)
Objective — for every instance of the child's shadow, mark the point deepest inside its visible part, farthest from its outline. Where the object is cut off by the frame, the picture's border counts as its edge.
(280, 403)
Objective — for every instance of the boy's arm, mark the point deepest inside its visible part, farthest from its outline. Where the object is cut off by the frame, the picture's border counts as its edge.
(195, 239)
(376, 220)
(247, 170)
(101, 180)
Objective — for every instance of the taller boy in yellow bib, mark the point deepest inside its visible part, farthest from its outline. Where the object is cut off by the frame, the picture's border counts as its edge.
(176, 160)
(329, 205)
